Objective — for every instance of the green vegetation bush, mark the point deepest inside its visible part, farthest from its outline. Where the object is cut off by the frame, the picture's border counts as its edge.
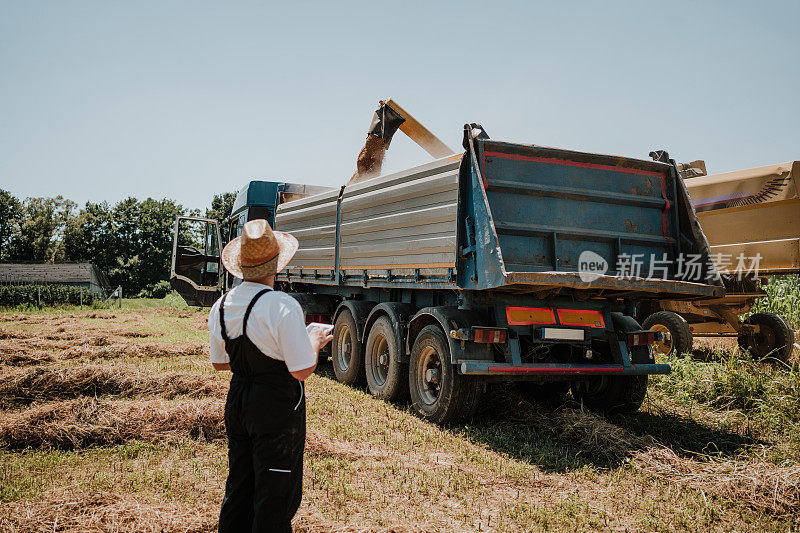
(156, 290)
(13, 295)
(783, 298)
(768, 394)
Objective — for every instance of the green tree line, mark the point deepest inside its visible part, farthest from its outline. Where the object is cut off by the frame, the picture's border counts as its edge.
(131, 241)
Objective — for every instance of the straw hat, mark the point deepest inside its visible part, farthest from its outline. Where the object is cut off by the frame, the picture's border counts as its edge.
(259, 251)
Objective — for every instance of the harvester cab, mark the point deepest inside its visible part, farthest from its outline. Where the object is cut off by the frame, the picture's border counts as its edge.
(197, 273)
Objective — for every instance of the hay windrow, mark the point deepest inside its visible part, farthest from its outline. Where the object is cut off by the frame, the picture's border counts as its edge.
(71, 329)
(23, 358)
(37, 350)
(90, 422)
(76, 332)
(9, 335)
(110, 351)
(104, 511)
(33, 343)
(45, 384)
(764, 486)
(13, 318)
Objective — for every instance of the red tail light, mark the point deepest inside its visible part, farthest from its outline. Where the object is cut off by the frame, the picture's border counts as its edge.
(489, 336)
(641, 338)
(323, 319)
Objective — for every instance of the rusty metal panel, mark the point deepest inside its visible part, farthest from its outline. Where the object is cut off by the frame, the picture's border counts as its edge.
(312, 221)
(402, 221)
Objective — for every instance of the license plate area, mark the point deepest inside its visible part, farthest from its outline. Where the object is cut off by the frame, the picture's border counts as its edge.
(563, 334)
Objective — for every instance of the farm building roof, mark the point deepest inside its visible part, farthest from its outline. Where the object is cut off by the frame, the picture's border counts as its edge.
(53, 273)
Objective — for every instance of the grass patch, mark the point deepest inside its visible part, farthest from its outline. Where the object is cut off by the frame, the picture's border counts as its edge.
(754, 399)
(783, 298)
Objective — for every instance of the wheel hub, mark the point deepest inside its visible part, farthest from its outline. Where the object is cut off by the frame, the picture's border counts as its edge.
(432, 376)
(665, 345)
(764, 341)
(429, 375)
(377, 359)
(344, 351)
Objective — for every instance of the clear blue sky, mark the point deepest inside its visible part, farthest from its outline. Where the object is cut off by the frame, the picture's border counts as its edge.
(181, 99)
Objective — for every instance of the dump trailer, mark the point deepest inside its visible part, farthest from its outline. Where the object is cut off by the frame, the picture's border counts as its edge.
(505, 263)
(751, 218)
(508, 263)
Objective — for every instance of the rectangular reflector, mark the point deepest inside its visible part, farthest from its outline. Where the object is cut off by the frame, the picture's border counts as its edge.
(522, 316)
(581, 317)
(563, 334)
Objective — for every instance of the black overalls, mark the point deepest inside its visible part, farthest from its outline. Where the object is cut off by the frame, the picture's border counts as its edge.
(265, 419)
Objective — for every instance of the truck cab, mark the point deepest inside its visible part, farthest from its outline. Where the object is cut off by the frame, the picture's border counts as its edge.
(197, 273)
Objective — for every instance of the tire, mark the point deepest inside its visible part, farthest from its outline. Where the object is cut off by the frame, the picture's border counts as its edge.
(774, 340)
(347, 353)
(616, 394)
(387, 376)
(680, 334)
(550, 393)
(438, 393)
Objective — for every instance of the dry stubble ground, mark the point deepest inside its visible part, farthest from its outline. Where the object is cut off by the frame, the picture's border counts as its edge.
(112, 421)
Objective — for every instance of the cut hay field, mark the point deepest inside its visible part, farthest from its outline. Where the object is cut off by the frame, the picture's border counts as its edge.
(111, 420)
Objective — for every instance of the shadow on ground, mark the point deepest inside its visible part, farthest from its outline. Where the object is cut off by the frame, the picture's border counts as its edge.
(685, 436)
(565, 437)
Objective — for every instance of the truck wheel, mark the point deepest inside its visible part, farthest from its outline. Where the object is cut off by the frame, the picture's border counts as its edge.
(347, 358)
(550, 393)
(387, 377)
(774, 339)
(616, 394)
(678, 334)
(439, 394)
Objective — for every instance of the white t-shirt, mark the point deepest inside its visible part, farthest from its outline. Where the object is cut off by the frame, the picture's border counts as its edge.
(276, 326)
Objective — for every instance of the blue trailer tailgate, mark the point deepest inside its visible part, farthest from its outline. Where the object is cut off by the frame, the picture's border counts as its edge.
(545, 219)
(550, 206)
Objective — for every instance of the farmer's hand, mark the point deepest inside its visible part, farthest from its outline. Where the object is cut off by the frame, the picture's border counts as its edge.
(319, 338)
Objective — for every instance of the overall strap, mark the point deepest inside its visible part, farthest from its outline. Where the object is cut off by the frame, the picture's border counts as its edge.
(250, 308)
(222, 317)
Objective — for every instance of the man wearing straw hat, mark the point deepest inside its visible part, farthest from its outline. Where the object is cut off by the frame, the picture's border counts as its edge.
(260, 335)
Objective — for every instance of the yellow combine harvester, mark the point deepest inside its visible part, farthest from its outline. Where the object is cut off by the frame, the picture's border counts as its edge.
(751, 219)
